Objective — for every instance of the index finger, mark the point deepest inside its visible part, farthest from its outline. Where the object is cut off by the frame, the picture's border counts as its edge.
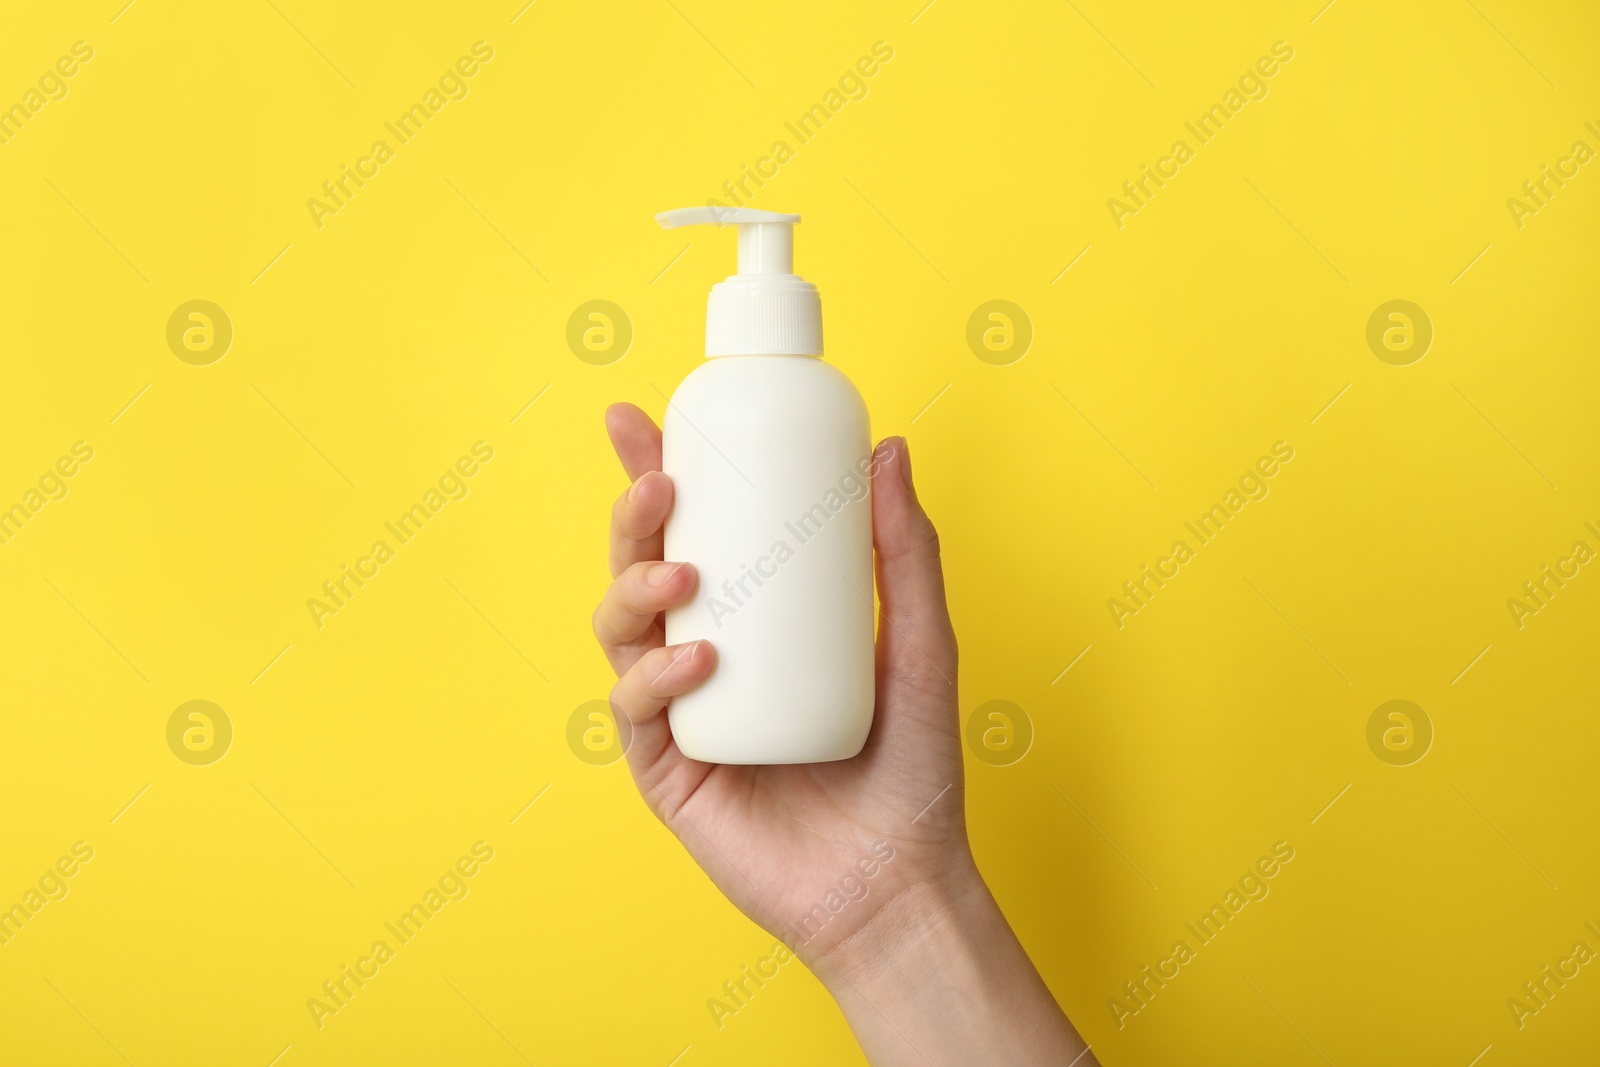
(635, 437)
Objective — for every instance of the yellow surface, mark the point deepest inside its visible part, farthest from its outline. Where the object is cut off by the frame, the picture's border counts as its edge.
(369, 353)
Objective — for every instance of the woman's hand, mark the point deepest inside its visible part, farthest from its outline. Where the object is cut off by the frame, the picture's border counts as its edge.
(860, 866)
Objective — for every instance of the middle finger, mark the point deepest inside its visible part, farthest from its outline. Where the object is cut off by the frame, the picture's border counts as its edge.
(625, 622)
(636, 521)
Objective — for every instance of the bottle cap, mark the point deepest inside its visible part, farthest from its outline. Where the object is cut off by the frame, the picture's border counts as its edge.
(765, 309)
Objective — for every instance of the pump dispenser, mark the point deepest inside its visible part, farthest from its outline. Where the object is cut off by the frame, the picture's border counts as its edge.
(765, 309)
(769, 452)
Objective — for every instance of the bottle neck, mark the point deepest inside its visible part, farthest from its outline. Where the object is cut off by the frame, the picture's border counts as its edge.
(765, 355)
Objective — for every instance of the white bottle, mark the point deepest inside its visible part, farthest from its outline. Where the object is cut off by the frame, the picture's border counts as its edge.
(769, 452)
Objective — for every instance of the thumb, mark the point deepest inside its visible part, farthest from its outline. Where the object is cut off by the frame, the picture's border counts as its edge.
(916, 642)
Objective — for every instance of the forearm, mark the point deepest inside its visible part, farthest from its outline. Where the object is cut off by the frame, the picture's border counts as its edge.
(939, 978)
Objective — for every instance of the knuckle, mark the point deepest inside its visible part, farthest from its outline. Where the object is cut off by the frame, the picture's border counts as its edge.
(618, 697)
(629, 520)
(653, 663)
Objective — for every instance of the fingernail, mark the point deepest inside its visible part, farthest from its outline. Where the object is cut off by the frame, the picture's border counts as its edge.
(682, 653)
(662, 573)
(905, 462)
(633, 490)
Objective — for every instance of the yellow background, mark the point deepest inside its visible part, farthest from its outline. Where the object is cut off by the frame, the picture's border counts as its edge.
(427, 314)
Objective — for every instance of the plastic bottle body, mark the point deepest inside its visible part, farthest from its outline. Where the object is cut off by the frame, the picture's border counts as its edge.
(769, 458)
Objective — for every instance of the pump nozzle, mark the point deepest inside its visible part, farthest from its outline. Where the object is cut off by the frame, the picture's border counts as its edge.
(764, 309)
(766, 238)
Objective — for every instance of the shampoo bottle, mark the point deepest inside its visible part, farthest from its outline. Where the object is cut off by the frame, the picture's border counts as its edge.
(769, 452)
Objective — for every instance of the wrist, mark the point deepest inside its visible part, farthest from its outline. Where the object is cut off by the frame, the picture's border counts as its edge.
(937, 976)
(921, 919)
